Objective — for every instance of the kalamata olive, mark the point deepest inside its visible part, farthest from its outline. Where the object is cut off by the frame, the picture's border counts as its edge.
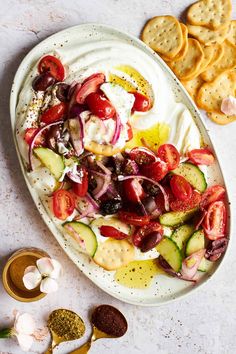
(111, 206)
(62, 92)
(150, 241)
(43, 81)
(216, 248)
(53, 135)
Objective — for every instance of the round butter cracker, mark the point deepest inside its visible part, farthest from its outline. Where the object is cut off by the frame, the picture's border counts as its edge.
(188, 66)
(208, 36)
(102, 149)
(221, 118)
(226, 62)
(211, 94)
(232, 32)
(113, 254)
(213, 14)
(192, 86)
(164, 35)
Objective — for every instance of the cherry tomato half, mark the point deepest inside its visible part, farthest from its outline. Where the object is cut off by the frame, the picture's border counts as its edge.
(129, 132)
(181, 188)
(63, 204)
(214, 223)
(142, 155)
(156, 170)
(169, 154)
(133, 190)
(201, 157)
(54, 113)
(183, 205)
(134, 219)
(91, 84)
(80, 189)
(212, 194)
(53, 66)
(110, 231)
(141, 102)
(30, 134)
(100, 106)
(144, 231)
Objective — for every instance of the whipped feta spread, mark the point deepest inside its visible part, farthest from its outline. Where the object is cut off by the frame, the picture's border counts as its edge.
(108, 57)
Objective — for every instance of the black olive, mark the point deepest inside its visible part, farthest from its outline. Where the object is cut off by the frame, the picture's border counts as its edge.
(53, 135)
(43, 81)
(62, 92)
(111, 206)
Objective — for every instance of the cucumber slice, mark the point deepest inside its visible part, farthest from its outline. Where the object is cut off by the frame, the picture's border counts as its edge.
(182, 234)
(51, 160)
(169, 250)
(84, 232)
(193, 175)
(197, 243)
(176, 218)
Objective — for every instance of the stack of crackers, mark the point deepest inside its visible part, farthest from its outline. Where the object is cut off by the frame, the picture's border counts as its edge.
(201, 53)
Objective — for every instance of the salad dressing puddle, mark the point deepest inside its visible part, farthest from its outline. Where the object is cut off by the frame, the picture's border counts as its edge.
(138, 274)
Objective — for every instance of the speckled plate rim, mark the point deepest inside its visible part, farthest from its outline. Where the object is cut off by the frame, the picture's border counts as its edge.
(197, 116)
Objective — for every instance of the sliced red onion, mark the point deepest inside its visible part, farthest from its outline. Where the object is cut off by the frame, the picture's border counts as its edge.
(76, 235)
(75, 177)
(102, 186)
(189, 270)
(84, 207)
(165, 195)
(73, 93)
(201, 218)
(31, 146)
(76, 129)
(103, 168)
(117, 131)
(92, 201)
(167, 268)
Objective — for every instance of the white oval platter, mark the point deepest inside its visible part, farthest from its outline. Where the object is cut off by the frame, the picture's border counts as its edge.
(164, 289)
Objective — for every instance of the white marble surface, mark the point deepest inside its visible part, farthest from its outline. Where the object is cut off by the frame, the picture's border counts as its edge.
(205, 322)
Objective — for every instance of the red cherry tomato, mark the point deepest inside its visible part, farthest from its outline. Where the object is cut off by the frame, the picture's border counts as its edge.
(145, 231)
(134, 219)
(129, 132)
(141, 102)
(214, 223)
(201, 157)
(156, 170)
(30, 134)
(181, 188)
(159, 199)
(91, 84)
(183, 205)
(100, 106)
(53, 66)
(63, 204)
(142, 155)
(110, 231)
(133, 190)
(211, 195)
(80, 189)
(54, 113)
(169, 154)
